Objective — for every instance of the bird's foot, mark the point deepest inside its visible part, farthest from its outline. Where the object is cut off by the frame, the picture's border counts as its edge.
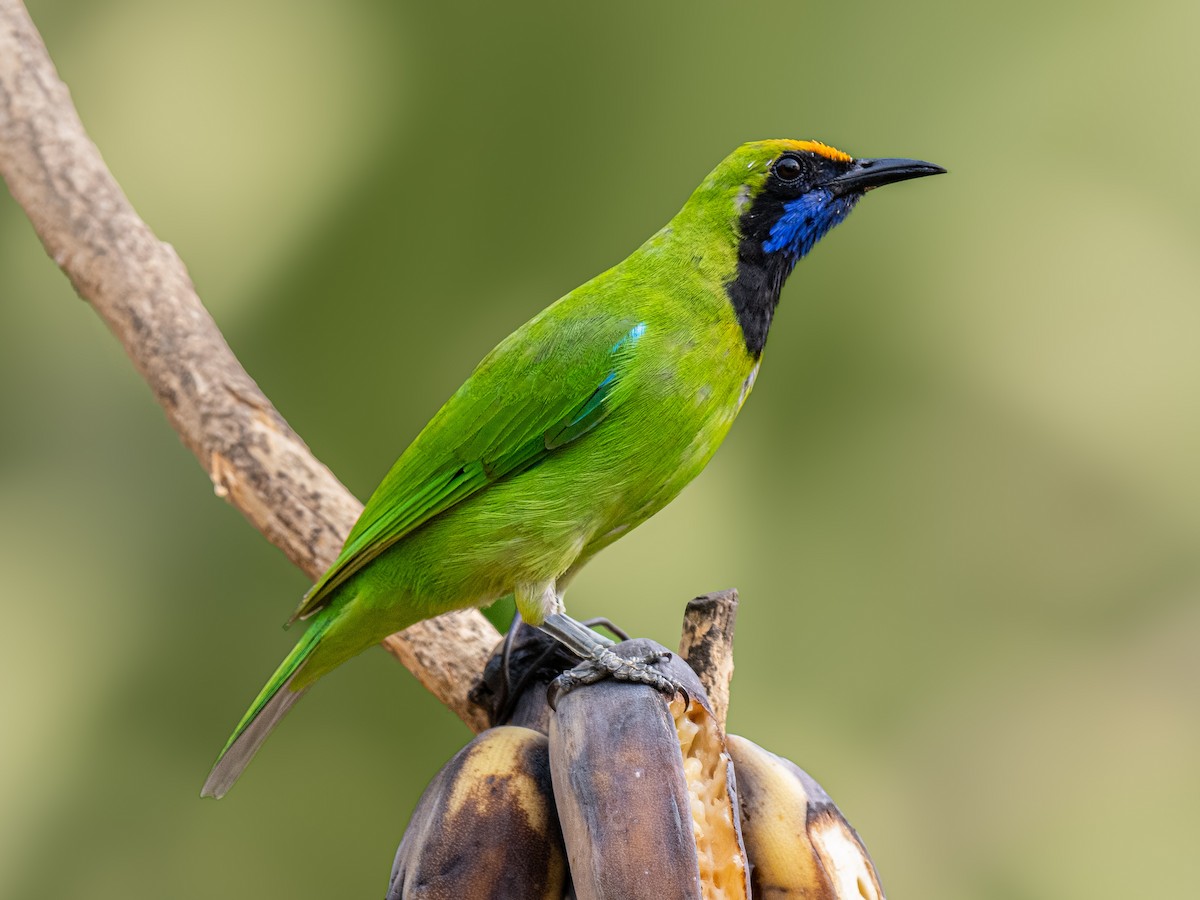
(604, 663)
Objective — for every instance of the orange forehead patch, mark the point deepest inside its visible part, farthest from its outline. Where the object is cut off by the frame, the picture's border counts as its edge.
(821, 150)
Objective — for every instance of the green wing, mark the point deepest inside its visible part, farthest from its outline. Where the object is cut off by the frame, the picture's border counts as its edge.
(546, 385)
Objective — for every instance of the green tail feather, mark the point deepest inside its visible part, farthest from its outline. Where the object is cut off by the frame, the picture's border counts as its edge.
(275, 699)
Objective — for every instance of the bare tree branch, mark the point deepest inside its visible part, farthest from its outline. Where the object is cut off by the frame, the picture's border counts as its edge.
(141, 289)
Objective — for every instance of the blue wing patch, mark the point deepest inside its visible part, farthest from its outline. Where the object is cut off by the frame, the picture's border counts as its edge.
(631, 337)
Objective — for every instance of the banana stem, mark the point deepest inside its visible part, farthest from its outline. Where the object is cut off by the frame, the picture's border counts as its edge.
(707, 646)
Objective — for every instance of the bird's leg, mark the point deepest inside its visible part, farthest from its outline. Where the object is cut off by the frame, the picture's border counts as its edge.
(575, 636)
(599, 661)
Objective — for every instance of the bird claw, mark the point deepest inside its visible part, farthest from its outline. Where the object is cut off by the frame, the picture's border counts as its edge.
(607, 664)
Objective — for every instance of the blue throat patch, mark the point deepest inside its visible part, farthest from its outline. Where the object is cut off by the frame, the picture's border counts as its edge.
(805, 221)
(775, 234)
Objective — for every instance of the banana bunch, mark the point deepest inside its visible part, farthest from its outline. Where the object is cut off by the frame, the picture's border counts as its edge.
(621, 794)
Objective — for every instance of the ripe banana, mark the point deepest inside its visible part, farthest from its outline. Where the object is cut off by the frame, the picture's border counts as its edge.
(485, 828)
(799, 843)
(645, 791)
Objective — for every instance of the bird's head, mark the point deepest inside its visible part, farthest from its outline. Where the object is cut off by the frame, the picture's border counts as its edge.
(774, 200)
(790, 193)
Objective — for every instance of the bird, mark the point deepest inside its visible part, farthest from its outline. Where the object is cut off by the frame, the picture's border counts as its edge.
(577, 427)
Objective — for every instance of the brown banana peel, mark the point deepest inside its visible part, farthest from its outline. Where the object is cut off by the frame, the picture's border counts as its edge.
(485, 828)
(800, 844)
(645, 791)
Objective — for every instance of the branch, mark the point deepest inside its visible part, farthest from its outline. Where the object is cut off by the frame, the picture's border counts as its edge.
(142, 291)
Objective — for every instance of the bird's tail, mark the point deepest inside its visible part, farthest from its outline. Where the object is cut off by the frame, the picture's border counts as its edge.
(275, 699)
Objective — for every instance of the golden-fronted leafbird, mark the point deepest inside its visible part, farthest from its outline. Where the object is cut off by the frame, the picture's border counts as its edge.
(577, 427)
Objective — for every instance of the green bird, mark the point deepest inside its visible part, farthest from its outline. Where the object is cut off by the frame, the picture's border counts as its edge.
(577, 427)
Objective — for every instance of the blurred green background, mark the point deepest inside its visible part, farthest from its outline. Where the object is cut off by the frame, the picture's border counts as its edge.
(962, 507)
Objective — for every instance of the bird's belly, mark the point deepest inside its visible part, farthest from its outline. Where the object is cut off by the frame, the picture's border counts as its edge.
(669, 448)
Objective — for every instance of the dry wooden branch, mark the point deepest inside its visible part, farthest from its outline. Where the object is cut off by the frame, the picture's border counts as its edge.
(140, 287)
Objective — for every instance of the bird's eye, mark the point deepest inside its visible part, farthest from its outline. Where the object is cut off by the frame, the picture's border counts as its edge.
(788, 169)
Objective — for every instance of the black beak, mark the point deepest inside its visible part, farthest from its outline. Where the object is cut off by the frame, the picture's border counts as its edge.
(865, 174)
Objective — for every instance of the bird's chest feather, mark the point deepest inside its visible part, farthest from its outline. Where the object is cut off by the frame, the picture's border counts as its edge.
(683, 393)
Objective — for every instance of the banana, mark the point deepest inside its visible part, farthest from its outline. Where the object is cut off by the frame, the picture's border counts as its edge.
(485, 828)
(645, 791)
(799, 843)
